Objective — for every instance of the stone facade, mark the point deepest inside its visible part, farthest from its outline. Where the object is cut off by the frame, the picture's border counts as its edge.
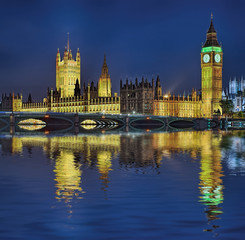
(147, 98)
(138, 97)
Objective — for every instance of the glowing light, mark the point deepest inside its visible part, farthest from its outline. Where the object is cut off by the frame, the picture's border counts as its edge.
(147, 118)
(32, 127)
(31, 121)
(166, 96)
(46, 116)
(67, 176)
(104, 166)
(88, 122)
(210, 49)
(88, 127)
(211, 187)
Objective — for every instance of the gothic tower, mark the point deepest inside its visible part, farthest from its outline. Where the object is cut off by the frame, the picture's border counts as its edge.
(211, 66)
(158, 89)
(104, 84)
(67, 72)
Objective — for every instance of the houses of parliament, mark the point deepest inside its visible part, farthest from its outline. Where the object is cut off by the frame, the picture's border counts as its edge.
(145, 97)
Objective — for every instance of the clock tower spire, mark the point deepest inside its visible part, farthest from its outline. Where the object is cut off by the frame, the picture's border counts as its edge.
(211, 66)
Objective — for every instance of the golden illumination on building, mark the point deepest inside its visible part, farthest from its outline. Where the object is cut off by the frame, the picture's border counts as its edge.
(104, 84)
(178, 106)
(141, 97)
(17, 103)
(211, 67)
(67, 72)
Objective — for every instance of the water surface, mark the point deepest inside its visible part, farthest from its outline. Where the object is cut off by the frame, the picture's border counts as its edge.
(179, 185)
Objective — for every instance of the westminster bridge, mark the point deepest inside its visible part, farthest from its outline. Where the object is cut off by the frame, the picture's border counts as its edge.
(79, 122)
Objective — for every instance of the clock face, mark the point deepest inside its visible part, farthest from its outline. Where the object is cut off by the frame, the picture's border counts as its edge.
(217, 58)
(206, 58)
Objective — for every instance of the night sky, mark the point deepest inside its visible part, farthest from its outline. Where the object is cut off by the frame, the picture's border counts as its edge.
(140, 38)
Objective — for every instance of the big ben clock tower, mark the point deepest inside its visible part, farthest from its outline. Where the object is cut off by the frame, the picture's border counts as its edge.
(211, 65)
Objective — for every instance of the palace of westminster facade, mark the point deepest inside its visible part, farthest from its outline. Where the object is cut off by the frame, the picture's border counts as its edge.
(140, 97)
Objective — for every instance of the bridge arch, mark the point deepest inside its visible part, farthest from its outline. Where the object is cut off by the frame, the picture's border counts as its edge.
(181, 123)
(3, 124)
(48, 119)
(147, 122)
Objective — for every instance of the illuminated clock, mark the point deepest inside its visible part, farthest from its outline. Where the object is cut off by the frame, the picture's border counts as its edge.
(217, 58)
(206, 58)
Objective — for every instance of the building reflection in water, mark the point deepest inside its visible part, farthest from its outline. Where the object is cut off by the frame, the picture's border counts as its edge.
(211, 187)
(69, 154)
(67, 176)
(137, 151)
(104, 166)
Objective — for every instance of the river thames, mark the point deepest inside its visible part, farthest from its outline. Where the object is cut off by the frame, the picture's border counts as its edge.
(178, 185)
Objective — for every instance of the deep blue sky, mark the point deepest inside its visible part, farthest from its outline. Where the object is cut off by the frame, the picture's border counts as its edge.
(140, 38)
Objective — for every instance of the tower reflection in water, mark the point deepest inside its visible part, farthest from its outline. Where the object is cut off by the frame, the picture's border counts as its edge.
(211, 187)
(67, 176)
(72, 153)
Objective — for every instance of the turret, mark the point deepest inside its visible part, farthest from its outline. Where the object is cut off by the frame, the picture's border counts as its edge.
(70, 55)
(77, 90)
(158, 89)
(67, 71)
(57, 68)
(143, 82)
(65, 54)
(58, 56)
(78, 57)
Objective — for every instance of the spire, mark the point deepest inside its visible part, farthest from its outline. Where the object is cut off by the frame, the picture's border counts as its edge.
(211, 40)
(104, 65)
(211, 27)
(104, 68)
(68, 44)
